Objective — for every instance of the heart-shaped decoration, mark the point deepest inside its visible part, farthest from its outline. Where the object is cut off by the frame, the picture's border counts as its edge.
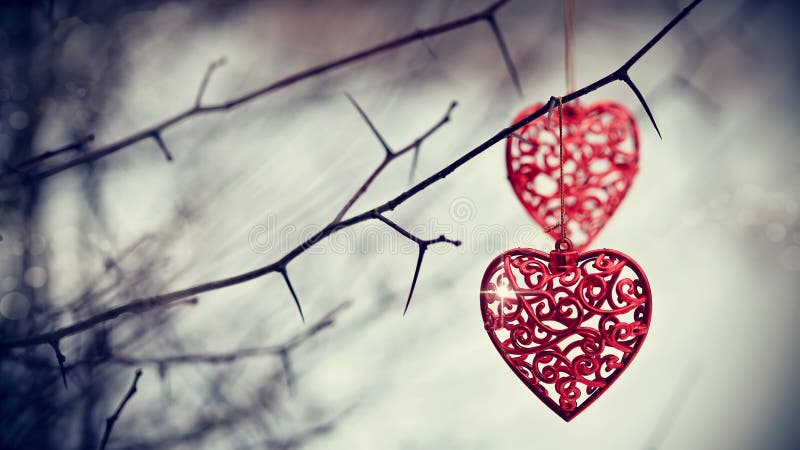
(568, 324)
(601, 158)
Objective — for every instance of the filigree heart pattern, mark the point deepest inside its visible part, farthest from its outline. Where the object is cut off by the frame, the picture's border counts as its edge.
(566, 323)
(601, 159)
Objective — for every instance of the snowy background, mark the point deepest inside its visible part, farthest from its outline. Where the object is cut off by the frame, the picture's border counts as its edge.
(712, 218)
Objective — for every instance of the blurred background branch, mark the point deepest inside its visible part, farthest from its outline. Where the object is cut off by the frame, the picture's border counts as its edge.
(240, 371)
(30, 168)
(149, 303)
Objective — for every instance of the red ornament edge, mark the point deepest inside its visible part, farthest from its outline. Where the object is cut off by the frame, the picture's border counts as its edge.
(565, 415)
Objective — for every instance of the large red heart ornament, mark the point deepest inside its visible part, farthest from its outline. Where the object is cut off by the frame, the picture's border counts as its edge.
(566, 323)
(601, 158)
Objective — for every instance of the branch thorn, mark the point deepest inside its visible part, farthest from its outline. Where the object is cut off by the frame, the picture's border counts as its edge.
(414, 159)
(112, 419)
(422, 249)
(371, 126)
(157, 137)
(627, 79)
(61, 360)
(294, 295)
(550, 105)
(287, 369)
(512, 71)
(523, 139)
(423, 246)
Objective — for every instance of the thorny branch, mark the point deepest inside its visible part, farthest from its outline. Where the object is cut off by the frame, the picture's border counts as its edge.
(280, 266)
(111, 420)
(423, 246)
(281, 349)
(61, 359)
(204, 84)
(34, 171)
(391, 155)
(75, 146)
(144, 304)
(299, 438)
(285, 275)
(697, 45)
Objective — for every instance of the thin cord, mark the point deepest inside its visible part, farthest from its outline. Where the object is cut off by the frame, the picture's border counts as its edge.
(569, 43)
(561, 157)
(569, 66)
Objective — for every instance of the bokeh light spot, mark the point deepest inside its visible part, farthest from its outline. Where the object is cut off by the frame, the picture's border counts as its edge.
(14, 306)
(18, 120)
(36, 277)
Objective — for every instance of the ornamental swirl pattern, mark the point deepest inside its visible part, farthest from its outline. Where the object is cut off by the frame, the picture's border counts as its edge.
(601, 159)
(567, 330)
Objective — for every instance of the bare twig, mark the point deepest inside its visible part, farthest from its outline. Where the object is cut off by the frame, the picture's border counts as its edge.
(162, 145)
(429, 48)
(697, 45)
(12, 177)
(390, 154)
(550, 105)
(282, 350)
(523, 139)
(204, 84)
(286, 363)
(291, 290)
(370, 125)
(627, 79)
(61, 359)
(77, 145)
(414, 159)
(297, 440)
(147, 303)
(501, 43)
(251, 352)
(111, 420)
(423, 246)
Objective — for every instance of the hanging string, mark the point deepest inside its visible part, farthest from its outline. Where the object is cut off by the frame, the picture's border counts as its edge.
(561, 158)
(569, 43)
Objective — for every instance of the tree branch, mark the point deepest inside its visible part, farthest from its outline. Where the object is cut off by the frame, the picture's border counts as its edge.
(285, 275)
(147, 303)
(370, 125)
(501, 43)
(61, 359)
(550, 105)
(162, 145)
(12, 178)
(77, 145)
(413, 170)
(226, 357)
(423, 246)
(627, 79)
(390, 154)
(204, 84)
(111, 420)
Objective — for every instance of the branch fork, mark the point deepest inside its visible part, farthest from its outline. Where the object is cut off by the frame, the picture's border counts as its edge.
(142, 304)
(36, 169)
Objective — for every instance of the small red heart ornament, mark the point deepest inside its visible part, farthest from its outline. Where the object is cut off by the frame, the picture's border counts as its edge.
(601, 159)
(566, 323)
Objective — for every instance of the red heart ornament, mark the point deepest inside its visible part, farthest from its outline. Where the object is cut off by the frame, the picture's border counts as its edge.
(568, 324)
(601, 158)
